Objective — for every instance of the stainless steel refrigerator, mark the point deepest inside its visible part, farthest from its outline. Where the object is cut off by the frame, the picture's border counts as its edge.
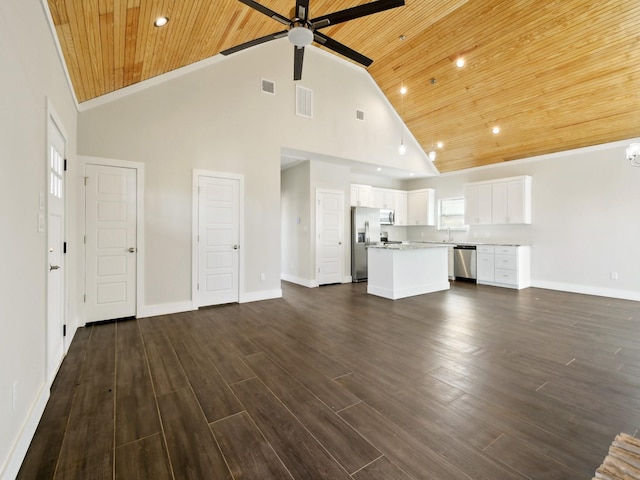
(365, 229)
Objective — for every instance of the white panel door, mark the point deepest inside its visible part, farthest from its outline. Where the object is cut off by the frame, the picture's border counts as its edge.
(330, 228)
(218, 240)
(55, 243)
(111, 243)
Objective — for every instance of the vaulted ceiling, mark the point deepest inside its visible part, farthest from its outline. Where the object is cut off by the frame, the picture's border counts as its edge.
(553, 75)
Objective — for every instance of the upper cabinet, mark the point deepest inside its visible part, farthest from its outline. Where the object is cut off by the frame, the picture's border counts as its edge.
(421, 207)
(400, 205)
(477, 204)
(411, 208)
(361, 195)
(498, 202)
(383, 198)
(511, 201)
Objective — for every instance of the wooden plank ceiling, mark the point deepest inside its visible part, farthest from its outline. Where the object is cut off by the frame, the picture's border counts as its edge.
(553, 75)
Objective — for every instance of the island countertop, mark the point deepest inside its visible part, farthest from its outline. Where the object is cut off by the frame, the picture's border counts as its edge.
(406, 246)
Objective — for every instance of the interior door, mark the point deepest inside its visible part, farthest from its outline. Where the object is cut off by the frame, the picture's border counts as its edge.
(218, 240)
(55, 244)
(111, 244)
(330, 228)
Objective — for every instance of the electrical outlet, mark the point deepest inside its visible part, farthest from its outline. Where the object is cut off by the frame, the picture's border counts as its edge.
(614, 275)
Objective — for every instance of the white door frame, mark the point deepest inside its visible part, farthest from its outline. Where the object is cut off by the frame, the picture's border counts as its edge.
(195, 231)
(54, 120)
(318, 249)
(84, 160)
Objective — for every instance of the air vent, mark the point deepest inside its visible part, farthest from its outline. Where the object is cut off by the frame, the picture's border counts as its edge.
(304, 102)
(360, 114)
(268, 86)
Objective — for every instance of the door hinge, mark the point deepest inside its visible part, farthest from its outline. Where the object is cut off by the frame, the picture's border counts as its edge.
(65, 165)
(198, 287)
(85, 181)
(64, 247)
(64, 330)
(84, 239)
(84, 298)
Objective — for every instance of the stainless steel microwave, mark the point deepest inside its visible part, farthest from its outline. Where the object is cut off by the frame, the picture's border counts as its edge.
(387, 217)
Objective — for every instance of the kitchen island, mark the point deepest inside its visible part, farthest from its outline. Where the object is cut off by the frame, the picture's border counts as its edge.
(407, 269)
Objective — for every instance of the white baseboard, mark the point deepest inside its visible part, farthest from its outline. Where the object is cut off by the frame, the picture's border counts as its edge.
(12, 466)
(262, 295)
(165, 309)
(305, 282)
(587, 290)
(347, 279)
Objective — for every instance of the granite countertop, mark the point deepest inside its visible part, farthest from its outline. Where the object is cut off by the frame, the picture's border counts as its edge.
(408, 245)
(470, 243)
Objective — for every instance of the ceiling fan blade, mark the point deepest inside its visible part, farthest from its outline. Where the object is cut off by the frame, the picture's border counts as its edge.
(267, 11)
(355, 12)
(302, 9)
(298, 56)
(252, 43)
(341, 49)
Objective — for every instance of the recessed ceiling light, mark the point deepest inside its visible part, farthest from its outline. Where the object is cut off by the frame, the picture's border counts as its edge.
(439, 144)
(495, 130)
(379, 169)
(161, 21)
(402, 38)
(403, 90)
(411, 174)
(460, 62)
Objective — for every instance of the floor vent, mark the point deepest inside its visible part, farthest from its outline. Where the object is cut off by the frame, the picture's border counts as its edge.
(360, 114)
(304, 102)
(268, 86)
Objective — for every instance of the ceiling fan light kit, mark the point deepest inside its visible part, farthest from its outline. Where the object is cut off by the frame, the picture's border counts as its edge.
(302, 30)
(300, 36)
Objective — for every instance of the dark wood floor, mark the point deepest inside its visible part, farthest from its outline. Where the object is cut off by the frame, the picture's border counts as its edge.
(331, 383)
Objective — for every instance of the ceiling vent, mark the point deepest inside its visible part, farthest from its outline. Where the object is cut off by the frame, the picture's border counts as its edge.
(304, 102)
(360, 114)
(268, 86)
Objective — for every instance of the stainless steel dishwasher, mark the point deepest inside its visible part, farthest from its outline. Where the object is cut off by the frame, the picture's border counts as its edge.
(465, 262)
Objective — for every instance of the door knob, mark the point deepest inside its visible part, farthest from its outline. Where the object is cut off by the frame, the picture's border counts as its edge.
(235, 247)
(132, 250)
(53, 267)
(339, 243)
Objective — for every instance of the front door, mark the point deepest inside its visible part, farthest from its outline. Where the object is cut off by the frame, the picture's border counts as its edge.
(111, 244)
(55, 246)
(218, 240)
(330, 234)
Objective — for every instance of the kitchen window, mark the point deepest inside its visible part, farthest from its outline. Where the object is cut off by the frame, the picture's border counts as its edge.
(451, 214)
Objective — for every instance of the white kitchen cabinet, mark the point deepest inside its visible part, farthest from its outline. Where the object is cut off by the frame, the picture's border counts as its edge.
(421, 207)
(477, 204)
(383, 198)
(400, 206)
(485, 268)
(498, 202)
(450, 263)
(361, 195)
(511, 201)
(504, 266)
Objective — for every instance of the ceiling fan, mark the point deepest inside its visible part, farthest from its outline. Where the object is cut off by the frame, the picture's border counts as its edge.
(302, 30)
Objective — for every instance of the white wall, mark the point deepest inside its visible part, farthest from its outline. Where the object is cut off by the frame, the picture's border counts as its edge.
(585, 218)
(216, 118)
(31, 75)
(296, 221)
(300, 184)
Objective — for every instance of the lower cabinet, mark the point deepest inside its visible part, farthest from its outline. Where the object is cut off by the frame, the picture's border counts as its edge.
(504, 266)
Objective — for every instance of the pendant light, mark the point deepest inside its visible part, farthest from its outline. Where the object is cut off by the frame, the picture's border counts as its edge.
(432, 152)
(403, 148)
